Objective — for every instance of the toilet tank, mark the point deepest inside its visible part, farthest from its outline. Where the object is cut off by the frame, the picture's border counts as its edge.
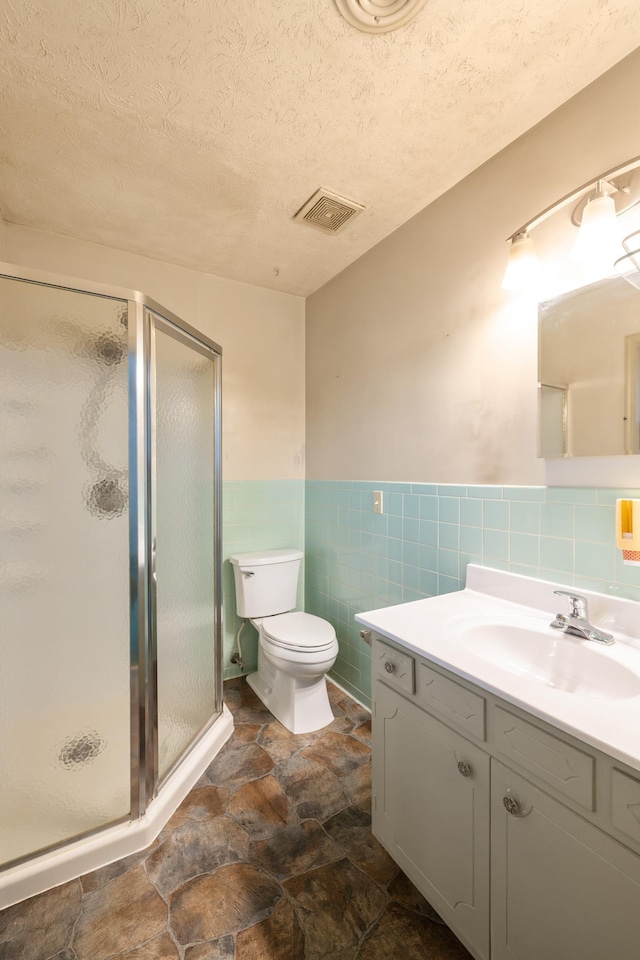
(266, 582)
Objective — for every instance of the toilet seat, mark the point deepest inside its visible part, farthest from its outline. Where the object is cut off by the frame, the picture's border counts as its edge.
(298, 631)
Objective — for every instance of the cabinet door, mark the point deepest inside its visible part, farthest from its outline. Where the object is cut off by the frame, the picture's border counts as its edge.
(431, 814)
(560, 888)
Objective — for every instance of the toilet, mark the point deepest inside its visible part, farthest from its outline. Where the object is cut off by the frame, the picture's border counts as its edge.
(295, 649)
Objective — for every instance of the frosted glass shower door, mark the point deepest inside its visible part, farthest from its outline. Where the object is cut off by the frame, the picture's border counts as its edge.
(183, 402)
(64, 557)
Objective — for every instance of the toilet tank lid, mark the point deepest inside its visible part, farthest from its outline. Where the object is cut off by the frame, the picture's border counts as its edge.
(258, 557)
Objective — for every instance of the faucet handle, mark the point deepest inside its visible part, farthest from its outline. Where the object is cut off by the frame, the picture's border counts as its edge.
(578, 605)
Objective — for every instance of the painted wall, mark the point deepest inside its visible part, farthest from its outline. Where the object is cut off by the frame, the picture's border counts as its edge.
(260, 331)
(418, 369)
(418, 366)
(422, 382)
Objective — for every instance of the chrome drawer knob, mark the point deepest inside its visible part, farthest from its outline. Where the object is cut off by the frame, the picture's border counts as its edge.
(511, 806)
(389, 666)
(464, 768)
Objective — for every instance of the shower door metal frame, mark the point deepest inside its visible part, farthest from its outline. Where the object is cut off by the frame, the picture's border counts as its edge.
(157, 319)
(143, 703)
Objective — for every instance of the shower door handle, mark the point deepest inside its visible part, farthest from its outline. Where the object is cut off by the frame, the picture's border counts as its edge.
(153, 561)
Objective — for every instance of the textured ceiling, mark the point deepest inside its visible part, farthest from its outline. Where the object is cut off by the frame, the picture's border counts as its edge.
(192, 130)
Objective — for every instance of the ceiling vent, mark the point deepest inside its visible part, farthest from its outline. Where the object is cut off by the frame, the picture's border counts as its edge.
(379, 16)
(328, 211)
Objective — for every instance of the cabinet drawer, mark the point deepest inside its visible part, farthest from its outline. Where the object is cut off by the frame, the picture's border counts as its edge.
(551, 760)
(395, 668)
(625, 804)
(451, 701)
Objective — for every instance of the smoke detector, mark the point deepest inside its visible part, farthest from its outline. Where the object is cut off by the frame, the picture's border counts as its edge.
(328, 211)
(379, 16)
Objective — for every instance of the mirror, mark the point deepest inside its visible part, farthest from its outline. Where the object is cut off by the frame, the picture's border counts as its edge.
(589, 372)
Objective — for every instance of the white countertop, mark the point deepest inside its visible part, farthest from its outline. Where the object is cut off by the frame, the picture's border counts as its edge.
(429, 629)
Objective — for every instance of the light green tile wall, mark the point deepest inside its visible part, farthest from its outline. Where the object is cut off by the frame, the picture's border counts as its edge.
(421, 545)
(257, 515)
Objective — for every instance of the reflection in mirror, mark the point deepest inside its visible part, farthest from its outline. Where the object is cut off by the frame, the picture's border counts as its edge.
(589, 372)
(552, 420)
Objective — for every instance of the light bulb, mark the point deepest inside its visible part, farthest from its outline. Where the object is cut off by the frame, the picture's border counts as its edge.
(522, 266)
(598, 243)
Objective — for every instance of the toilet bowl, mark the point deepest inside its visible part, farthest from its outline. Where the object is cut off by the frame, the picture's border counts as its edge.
(295, 649)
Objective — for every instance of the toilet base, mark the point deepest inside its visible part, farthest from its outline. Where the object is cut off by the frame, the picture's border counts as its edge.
(301, 704)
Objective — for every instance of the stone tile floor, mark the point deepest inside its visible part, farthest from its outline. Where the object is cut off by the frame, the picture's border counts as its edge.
(269, 857)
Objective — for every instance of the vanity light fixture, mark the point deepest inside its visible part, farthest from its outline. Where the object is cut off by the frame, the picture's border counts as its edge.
(628, 266)
(599, 243)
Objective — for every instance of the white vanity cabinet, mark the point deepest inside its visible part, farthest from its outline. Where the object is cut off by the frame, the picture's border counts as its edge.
(524, 839)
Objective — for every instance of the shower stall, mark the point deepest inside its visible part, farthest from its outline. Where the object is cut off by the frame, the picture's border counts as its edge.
(110, 557)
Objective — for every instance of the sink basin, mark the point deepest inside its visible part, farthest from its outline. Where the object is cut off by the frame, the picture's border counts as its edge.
(496, 634)
(530, 649)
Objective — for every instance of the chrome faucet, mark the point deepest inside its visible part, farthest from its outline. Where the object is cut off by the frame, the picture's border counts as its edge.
(577, 623)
